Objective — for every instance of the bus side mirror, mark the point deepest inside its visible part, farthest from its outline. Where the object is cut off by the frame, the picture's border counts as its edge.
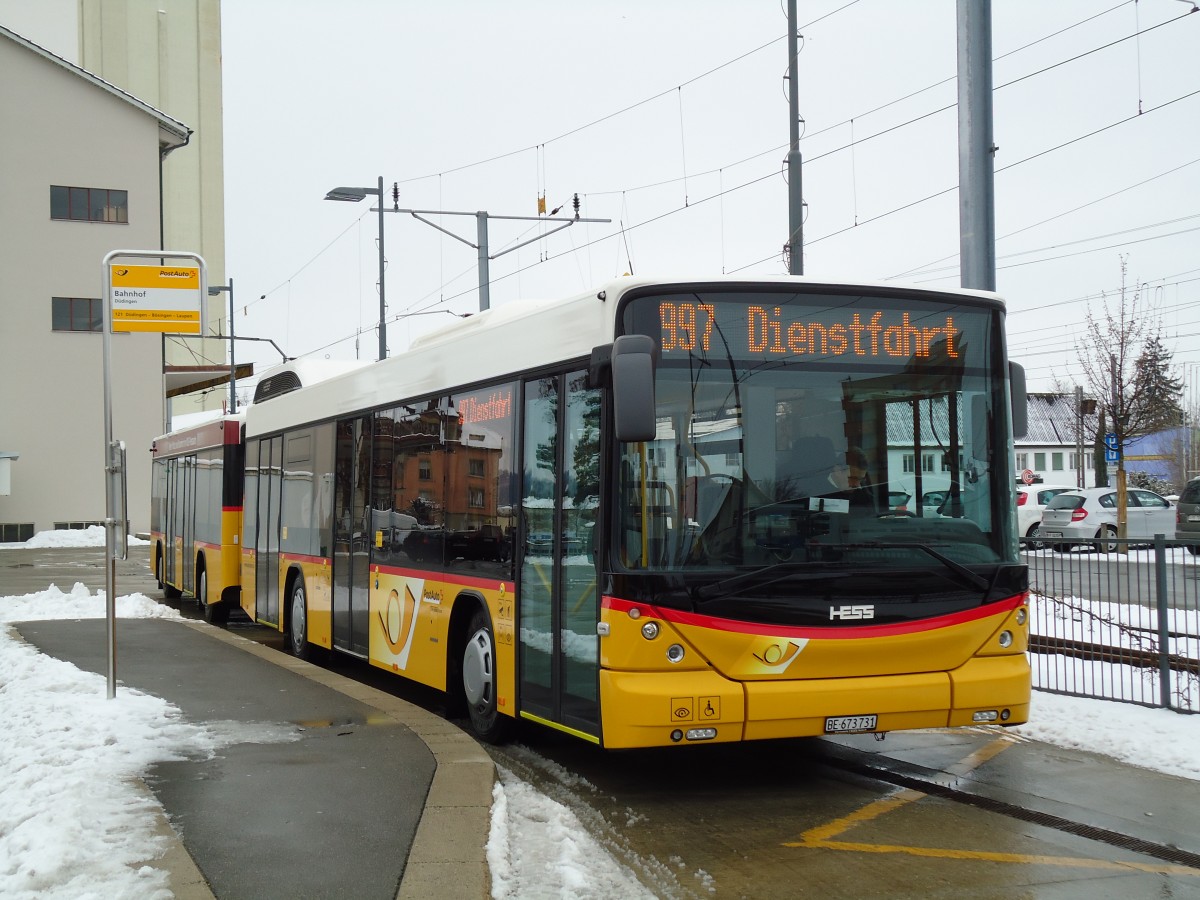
(632, 368)
(1020, 399)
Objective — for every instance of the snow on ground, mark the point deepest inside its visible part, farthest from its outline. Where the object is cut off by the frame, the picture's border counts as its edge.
(92, 536)
(74, 822)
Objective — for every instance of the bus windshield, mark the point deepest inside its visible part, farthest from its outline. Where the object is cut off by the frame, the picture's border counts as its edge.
(819, 428)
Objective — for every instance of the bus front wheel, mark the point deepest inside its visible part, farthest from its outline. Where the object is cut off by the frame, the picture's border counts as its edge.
(479, 680)
(297, 623)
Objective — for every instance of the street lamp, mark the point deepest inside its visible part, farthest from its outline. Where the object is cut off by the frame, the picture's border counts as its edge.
(354, 195)
(216, 291)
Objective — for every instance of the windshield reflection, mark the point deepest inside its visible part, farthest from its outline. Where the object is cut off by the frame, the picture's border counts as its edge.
(811, 458)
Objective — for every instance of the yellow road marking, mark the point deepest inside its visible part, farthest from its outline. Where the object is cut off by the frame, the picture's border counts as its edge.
(987, 752)
(989, 856)
(819, 838)
(821, 834)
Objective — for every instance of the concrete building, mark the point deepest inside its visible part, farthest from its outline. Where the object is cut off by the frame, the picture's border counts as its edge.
(169, 55)
(84, 164)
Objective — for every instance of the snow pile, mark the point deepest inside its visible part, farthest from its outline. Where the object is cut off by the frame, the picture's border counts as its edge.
(92, 536)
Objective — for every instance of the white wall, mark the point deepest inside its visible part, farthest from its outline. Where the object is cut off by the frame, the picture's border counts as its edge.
(61, 129)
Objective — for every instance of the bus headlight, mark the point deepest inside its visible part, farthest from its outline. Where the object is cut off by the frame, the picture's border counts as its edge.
(650, 630)
(1006, 639)
(675, 653)
(1022, 616)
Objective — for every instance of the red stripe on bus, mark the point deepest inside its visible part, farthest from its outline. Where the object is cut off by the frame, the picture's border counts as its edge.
(304, 557)
(236, 509)
(449, 577)
(833, 633)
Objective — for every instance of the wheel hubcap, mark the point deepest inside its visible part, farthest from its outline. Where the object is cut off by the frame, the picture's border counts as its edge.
(298, 636)
(477, 669)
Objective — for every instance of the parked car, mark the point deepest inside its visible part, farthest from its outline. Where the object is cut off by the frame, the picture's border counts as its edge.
(1090, 516)
(931, 501)
(1031, 500)
(898, 500)
(1187, 515)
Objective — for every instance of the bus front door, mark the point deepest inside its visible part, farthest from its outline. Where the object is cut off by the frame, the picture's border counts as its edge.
(351, 536)
(559, 601)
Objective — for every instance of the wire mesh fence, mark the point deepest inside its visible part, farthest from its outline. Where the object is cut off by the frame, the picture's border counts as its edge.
(1120, 622)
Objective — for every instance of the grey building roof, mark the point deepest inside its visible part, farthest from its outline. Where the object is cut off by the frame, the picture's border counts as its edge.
(1053, 421)
(172, 133)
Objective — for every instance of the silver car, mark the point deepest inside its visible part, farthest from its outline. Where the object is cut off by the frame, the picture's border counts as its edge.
(1031, 502)
(1090, 517)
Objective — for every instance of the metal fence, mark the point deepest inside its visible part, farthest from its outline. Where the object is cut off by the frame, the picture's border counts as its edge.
(1116, 624)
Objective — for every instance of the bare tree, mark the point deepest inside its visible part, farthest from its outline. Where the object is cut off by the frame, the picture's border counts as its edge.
(1118, 342)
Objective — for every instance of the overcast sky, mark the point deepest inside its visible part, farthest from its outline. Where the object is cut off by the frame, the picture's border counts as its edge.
(670, 118)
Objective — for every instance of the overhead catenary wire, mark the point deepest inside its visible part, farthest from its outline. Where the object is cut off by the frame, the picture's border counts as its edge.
(628, 226)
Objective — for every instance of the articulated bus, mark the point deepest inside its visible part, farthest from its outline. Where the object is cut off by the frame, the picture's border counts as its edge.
(196, 514)
(625, 514)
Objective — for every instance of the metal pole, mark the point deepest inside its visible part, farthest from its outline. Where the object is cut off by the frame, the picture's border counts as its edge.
(232, 364)
(110, 540)
(976, 162)
(481, 237)
(382, 295)
(794, 159)
(1081, 469)
(1164, 630)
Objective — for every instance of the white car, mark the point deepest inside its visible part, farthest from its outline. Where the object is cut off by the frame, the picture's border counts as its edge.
(1090, 516)
(1031, 500)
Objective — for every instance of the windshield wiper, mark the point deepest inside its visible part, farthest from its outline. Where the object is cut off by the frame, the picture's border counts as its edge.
(965, 574)
(790, 570)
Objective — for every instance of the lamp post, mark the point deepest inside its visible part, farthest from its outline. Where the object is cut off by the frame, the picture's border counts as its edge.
(216, 291)
(354, 195)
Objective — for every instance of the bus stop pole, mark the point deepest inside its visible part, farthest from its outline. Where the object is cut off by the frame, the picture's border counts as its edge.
(110, 542)
(115, 494)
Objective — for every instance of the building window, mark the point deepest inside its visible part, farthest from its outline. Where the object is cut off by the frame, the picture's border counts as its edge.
(475, 498)
(910, 462)
(76, 314)
(424, 470)
(946, 462)
(82, 204)
(15, 532)
(1039, 462)
(1056, 462)
(475, 468)
(1022, 461)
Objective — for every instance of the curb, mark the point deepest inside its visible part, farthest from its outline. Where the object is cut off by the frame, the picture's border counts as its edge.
(448, 855)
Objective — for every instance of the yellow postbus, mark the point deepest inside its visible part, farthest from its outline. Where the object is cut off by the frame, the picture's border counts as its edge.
(658, 513)
(196, 513)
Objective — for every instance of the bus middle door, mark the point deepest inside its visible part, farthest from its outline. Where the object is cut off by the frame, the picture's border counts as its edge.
(352, 537)
(559, 599)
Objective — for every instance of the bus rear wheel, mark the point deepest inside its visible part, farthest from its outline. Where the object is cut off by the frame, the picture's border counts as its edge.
(479, 681)
(214, 613)
(171, 593)
(297, 621)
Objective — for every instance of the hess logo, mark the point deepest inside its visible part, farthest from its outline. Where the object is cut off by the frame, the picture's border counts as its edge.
(851, 612)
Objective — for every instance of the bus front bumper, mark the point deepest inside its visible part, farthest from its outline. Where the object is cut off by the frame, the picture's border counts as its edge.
(655, 709)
